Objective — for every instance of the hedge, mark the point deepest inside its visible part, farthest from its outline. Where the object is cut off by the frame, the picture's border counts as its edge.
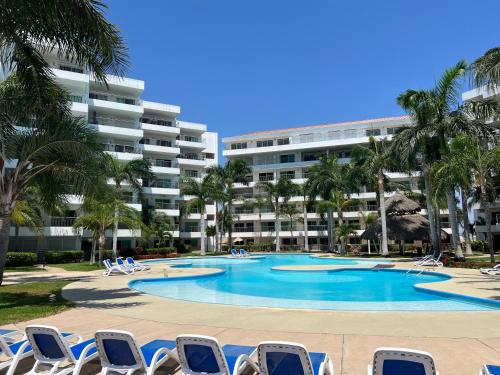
(20, 259)
(66, 256)
(160, 250)
(479, 246)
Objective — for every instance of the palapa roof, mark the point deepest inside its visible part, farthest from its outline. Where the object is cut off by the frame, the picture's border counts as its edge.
(400, 204)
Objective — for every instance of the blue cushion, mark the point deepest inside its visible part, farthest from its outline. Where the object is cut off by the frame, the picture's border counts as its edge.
(78, 348)
(5, 331)
(148, 350)
(493, 370)
(118, 352)
(14, 348)
(282, 363)
(48, 346)
(316, 360)
(201, 358)
(232, 352)
(398, 367)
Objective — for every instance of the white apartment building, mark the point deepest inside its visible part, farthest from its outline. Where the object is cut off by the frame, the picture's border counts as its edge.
(479, 94)
(290, 152)
(131, 128)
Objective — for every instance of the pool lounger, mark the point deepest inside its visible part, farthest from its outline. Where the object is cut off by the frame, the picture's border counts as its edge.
(491, 271)
(244, 253)
(203, 354)
(118, 351)
(138, 266)
(50, 348)
(19, 350)
(115, 268)
(388, 361)
(234, 253)
(280, 357)
(490, 370)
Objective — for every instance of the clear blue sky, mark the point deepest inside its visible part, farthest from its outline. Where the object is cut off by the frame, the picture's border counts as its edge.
(243, 66)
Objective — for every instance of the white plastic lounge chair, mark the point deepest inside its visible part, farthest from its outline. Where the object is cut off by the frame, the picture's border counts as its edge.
(392, 361)
(7, 333)
(432, 262)
(280, 358)
(418, 261)
(234, 253)
(14, 352)
(491, 270)
(490, 370)
(119, 352)
(120, 263)
(243, 253)
(138, 266)
(203, 355)
(52, 350)
(114, 268)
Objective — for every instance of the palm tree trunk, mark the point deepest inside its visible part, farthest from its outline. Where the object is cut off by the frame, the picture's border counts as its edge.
(383, 219)
(330, 219)
(92, 250)
(465, 210)
(452, 215)
(202, 235)
(487, 213)
(306, 234)
(230, 228)
(278, 225)
(4, 240)
(115, 236)
(291, 231)
(340, 215)
(430, 211)
(102, 243)
(260, 226)
(216, 228)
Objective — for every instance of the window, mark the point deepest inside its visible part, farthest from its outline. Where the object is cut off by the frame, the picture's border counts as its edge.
(305, 173)
(163, 204)
(191, 227)
(163, 163)
(164, 143)
(238, 146)
(94, 95)
(165, 183)
(310, 156)
(266, 143)
(190, 173)
(344, 154)
(70, 69)
(290, 158)
(372, 132)
(306, 138)
(393, 130)
(76, 98)
(283, 141)
(189, 138)
(267, 176)
(288, 174)
(209, 155)
(268, 226)
(122, 100)
(265, 159)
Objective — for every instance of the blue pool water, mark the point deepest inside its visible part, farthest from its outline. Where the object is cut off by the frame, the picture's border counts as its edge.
(253, 282)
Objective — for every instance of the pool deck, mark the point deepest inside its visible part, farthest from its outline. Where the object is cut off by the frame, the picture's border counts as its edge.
(349, 337)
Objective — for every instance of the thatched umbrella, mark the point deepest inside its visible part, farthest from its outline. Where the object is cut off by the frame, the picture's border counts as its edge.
(399, 204)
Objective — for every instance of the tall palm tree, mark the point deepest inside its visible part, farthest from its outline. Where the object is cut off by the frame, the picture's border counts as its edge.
(26, 214)
(76, 30)
(305, 203)
(278, 193)
(368, 218)
(131, 173)
(200, 192)
(258, 202)
(327, 179)
(98, 215)
(161, 228)
(290, 212)
(52, 151)
(486, 69)
(374, 161)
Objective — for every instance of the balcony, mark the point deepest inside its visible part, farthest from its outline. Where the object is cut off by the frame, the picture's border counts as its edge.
(68, 78)
(160, 129)
(192, 126)
(169, 209)
(112, 104)
(118, 132)
(123, 152)
(62, 221)
(191, 159)
(161, 108)
(156, 149)
(161, 187)
(190, 143)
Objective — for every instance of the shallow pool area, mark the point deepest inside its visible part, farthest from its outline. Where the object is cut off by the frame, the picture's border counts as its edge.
(254, 282)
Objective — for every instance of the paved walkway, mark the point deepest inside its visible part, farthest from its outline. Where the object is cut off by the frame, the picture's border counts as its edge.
(51, 274)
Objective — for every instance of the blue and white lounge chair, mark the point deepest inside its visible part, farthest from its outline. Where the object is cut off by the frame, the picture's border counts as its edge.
(491, 270)
(14, 352)
(119, 352)
(6, 333)
(120, 263)
(138, 266)
(490, 370)
(114, 268)
(281, 358)
(203, 355)
(244, 253)
(234, 253)
(390, 361)
(52, 350)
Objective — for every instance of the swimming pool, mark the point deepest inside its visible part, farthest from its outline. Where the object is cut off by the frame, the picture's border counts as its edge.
(253, 282)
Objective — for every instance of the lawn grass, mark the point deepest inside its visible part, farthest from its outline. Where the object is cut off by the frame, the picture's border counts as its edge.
(81, 267)
(28, 301)
(482, 259)
(25, 269)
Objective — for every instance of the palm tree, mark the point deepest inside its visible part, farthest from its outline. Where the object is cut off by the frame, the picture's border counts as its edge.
(259, 203)
(368, 218)
(343, 233)
(374, 161)
(98, 215)
(291, 212)
(200, 192)
(486, 69)
(325, 180)
(283, 190)
(305, 203)
(161, 228)
(26, 214)
(75, 29)
(131, 173)
(52, 151)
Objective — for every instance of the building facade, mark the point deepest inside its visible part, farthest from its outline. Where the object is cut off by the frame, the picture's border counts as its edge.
(291, 152)
(480, 94)
(130, 128)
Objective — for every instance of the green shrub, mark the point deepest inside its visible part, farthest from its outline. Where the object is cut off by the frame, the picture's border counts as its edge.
(260, 246)
(161, 250)
(20, 259)
(65, 256)
(479, 246)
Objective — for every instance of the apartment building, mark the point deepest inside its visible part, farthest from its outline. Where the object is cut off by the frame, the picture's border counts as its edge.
(131, 128)
(479, 94)
(291, 152)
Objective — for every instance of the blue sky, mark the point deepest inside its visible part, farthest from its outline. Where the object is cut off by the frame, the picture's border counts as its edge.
(243, 66)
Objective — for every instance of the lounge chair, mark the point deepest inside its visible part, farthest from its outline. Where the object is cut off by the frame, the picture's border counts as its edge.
(138, 266)
(244, 253)
(115, 268)
(124, 266)
(433, 261)
(52, 350)
(490, 370)
(14, 352)
(235, 253)
(119, 352)
(388, 361)
(280, 358)
(491, 270)
(203, 355)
